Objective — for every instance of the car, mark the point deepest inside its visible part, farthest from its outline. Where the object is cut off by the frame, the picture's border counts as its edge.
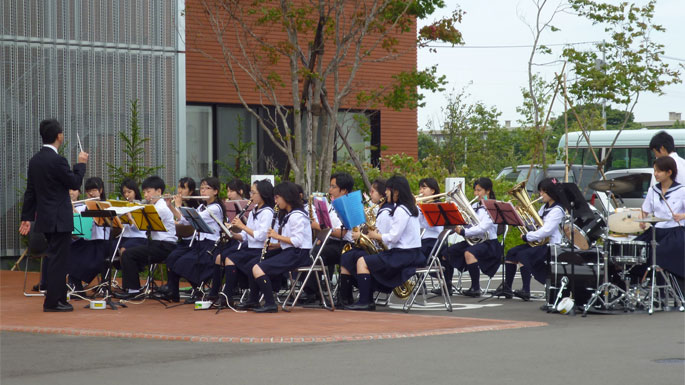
(578, 174)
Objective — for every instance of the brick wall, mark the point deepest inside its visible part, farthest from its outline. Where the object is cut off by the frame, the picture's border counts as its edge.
(208, 82)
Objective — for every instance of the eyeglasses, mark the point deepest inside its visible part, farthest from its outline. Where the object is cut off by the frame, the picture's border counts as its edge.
(332, 186)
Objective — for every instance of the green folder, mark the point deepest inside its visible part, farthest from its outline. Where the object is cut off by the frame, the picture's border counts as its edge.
(83, 226)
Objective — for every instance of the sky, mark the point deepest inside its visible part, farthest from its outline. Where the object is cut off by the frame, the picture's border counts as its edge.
(496, 73)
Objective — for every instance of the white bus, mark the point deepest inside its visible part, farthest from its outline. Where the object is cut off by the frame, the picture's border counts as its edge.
(630, 151)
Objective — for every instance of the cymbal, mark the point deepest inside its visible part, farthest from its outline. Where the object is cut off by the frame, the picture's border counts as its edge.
(613, 185)
(651, 220)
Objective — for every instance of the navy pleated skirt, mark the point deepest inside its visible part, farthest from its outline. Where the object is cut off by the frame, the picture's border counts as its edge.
(393, 267)
(242, 258)
(534, 258)
(488, 254)
(128, 243)
(283, 261)
(87, 259)
(349, 259)
(427, 245)
(670, 250)
(196, 264)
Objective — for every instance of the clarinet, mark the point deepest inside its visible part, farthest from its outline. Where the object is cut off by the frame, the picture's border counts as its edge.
(268, 239)
(240, 216)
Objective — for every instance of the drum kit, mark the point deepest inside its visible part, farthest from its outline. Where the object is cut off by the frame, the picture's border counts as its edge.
(603, 265)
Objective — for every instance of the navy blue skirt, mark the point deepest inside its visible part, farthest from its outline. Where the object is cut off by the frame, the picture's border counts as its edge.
(427, 245)
(87, 259)
(241, 258)
(393, 267)
(488, 253)
(670, 250)
(181, 248)
(196, 264)
(349, 259)
(128, 243)
(534, 258)
(282, 261)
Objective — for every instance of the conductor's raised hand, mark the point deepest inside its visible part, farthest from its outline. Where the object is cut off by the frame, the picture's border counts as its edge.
(82, 157)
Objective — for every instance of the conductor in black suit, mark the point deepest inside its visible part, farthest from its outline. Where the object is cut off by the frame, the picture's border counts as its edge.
(46, 201)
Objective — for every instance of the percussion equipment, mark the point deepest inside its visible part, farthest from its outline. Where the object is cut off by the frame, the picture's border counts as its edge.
(614, 185)
(624, 221)
(627, 252)
(582, 269)
(651, 219)
(585, 233)
(566, 305)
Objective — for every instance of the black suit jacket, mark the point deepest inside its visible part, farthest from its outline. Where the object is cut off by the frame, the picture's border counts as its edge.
(46, 199)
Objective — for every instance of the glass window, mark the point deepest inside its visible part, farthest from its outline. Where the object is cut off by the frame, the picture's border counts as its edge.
(640, 157)
(618, 159)
(198, 141)
(358, 126)
(680, 151)
(236, 135)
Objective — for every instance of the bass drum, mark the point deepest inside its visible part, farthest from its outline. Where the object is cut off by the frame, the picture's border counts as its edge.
(585, 234)
(583, 269)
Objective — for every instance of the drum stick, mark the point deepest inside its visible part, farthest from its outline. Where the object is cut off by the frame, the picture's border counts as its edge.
(78, 138)
(669, 207)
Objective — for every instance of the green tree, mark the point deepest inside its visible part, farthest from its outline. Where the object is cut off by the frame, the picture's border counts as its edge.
(133, 166)
(238, 163)
(427, 145)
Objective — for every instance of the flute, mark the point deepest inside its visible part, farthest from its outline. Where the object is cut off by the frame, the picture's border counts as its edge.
(268, 239)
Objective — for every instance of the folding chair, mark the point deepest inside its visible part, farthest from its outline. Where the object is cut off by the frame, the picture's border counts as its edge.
(317, 267)
(433, 266)
(38, 247)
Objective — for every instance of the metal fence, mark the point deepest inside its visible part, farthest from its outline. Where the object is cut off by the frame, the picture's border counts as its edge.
(82, 62)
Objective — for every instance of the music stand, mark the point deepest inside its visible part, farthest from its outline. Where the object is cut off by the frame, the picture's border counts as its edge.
(502, 213)
(192, 216)
(442, 214)
(322, 213)
(350, 209)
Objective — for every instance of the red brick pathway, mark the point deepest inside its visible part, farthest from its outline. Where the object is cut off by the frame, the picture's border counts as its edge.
(151, 320)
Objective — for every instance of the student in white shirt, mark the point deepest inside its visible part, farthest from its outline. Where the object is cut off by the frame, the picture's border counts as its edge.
(135, 259)
(662, 144)
(666, 200)
(389, 269)
(429, 187)
(533, 259)
(132, 236)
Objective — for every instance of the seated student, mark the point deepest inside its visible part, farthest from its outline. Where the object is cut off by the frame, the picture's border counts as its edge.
(135, 259)
(252, 236)
(348, 260)
(666, 199)
(429, 187)
(132, 236)
(194, 263)
(186, 187)
(295, 240)
(87, 257)
(237, 190)
(533, 259)
(485, 256)
(389, 269)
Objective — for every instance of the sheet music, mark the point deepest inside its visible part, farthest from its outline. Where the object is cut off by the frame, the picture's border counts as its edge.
(124, 210)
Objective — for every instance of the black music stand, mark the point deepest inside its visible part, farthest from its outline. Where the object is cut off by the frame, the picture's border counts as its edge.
(502, 213)
(192, 216)
(574, 201)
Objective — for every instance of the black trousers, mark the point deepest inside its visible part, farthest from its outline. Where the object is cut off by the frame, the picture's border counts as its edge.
(58, 254)
(135, 259)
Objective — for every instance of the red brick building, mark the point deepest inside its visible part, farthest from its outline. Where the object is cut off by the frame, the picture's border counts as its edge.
(214, 108)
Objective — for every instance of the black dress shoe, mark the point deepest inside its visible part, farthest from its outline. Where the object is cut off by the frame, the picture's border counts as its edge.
(247, 305)
(357, 306)
(65, 304)
(38, 287)
(524, 295)
(61, 307)
(503, 291)
(221, 303)
(472, 292)
(438, 291)
(122, 295)
(266, 309)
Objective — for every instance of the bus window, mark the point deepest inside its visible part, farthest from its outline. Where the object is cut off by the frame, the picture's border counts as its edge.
(618, 159)
(575, 155)
(640, 158)
(680, 151)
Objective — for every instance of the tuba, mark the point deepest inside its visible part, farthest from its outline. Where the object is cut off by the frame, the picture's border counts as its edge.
(467, 212)
(526, 210)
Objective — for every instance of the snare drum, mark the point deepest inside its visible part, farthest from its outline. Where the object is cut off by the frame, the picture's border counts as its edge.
(627, 252)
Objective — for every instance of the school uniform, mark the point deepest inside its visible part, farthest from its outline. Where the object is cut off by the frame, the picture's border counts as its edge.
(349, 259)
(680, 167)
(430, 235)
(488, 253)
(194, 263)
(87, 256)
(135, 259)
(259, 221)
(131, 237)
(670, 235)
(534, 259)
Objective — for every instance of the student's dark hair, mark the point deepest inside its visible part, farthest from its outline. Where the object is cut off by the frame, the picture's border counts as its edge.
(49, 129)
(431, 183)
(154, 182)
(666, 163)
(552, 188)
(96, 182)
(215, 184)
(344, 181)
(662, 138)
(131, 185)
(266, 192)
(188, 182)
(300, 190)
(405, 197)
(239, 186)
(379, 185)
(485, 184)
(290, 193)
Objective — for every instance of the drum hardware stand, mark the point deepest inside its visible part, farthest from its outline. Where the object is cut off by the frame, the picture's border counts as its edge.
(654, 287)
(564, 282)
(607, 289)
